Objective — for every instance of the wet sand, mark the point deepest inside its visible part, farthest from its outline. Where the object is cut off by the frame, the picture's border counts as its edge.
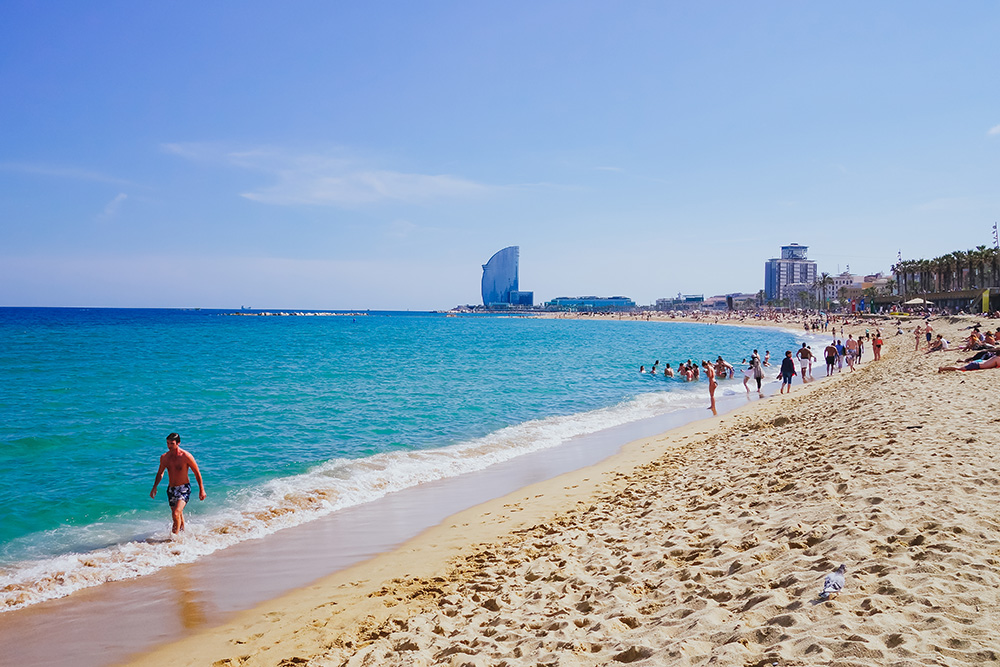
(704, 545)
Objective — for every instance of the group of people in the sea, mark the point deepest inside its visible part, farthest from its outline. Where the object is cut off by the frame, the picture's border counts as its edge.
(798, 363)
(689, 371)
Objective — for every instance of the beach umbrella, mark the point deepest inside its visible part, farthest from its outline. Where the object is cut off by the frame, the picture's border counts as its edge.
(915, 302)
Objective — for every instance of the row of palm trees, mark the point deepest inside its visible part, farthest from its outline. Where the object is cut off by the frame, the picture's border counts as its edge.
(954, 272)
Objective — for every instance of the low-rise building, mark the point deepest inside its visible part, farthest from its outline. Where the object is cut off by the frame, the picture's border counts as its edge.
(591, 303)
(682, 302)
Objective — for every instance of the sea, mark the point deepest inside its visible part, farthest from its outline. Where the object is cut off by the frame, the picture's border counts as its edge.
(292, 416)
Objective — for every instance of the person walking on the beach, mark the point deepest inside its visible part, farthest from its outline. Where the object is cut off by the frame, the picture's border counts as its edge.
(753, 372)
(928, 330)
(852, 350)
(787, 372)
(177, 462)
(831, 358)
(916, 337)
(804, 356)
(712, 384)
(877, 345)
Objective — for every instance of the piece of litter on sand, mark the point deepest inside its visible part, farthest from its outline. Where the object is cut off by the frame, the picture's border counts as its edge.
(834, 582)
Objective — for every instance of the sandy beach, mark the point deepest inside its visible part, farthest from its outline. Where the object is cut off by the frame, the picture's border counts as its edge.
(708, 544)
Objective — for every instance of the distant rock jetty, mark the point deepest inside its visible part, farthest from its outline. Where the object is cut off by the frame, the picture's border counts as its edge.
(294, 313)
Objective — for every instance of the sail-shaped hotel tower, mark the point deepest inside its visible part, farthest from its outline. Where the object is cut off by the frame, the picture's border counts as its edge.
(500, 288)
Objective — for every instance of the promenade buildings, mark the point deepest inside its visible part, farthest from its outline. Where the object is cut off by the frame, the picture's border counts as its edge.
(591, 303)
(790, 274)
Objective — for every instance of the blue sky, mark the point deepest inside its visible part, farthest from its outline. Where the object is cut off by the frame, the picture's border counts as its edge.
(374, 155)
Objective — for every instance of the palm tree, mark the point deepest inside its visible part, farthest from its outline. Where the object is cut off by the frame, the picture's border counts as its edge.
(825, 281)
(961, 270)
(942, 270)
(904, 271)
(948, 264)
(980, 256)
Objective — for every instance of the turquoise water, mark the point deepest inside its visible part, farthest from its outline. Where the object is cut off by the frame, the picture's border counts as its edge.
(289, 418)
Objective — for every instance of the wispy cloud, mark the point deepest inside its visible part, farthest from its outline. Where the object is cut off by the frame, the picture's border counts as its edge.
(994, 130)
(953, 204)
(362, 187)
(329, 180)
(111, 208)
(61, 172)
(400, 229)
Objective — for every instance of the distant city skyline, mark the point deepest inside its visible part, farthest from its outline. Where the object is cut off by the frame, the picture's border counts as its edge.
(316, 155)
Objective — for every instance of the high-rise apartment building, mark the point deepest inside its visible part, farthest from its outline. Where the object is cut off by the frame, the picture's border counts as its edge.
(791, 268)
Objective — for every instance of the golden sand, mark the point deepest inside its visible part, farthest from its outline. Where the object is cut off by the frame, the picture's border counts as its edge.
(706, 545)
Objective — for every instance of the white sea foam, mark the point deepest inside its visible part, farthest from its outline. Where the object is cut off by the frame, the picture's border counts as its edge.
(290, 501)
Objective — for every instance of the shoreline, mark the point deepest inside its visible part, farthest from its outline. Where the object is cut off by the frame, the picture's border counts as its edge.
(200, 603)
(428, 554)
(701, 545)
(130, 539)
(355, 595)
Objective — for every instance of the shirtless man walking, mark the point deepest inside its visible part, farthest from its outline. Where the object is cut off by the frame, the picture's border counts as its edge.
(831, 358)
(852, 351)
(805, 355)
(177, 462)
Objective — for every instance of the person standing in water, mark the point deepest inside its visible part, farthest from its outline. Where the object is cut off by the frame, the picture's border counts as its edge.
(177, 462)
(712, 384)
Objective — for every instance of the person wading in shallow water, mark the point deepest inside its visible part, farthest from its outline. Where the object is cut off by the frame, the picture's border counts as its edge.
(177, 462)
(712, 384)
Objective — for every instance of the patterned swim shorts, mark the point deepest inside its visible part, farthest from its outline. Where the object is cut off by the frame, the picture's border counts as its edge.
(175, 493)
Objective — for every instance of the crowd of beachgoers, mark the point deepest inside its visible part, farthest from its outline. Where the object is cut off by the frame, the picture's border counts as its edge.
(839, 352)
(774, 316)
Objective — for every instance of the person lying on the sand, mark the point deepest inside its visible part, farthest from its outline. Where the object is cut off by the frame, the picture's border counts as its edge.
(992, 362)
(982, 355)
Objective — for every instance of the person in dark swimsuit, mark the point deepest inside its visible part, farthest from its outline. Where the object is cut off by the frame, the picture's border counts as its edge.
(177, 462)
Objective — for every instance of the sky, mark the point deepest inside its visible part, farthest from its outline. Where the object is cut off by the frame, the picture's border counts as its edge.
(374, 155)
